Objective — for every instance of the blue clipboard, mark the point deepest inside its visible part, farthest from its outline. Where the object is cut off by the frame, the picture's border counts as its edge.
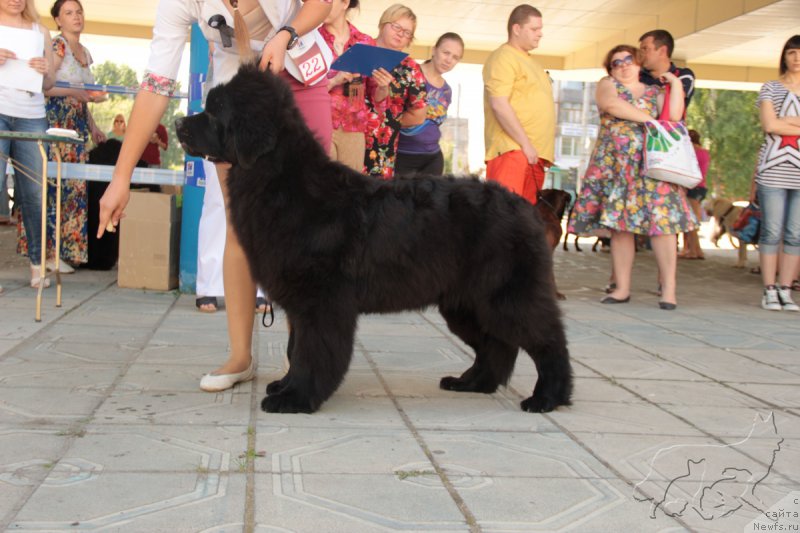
(363, 59)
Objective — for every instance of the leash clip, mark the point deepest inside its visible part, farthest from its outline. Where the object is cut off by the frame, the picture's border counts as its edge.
(225, 32)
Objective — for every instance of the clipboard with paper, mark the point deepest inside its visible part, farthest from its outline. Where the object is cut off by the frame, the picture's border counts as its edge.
(26, 44)
(363, 59)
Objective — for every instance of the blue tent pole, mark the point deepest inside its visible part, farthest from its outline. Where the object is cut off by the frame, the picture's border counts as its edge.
(194, 182)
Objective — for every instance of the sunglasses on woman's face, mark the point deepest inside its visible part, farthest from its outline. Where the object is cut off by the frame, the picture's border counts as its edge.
(627, 60)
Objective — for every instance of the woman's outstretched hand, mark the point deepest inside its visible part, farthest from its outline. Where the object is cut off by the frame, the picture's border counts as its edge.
(112, 205)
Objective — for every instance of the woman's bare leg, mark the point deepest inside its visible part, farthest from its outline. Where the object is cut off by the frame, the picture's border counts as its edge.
(240, 293)
(691, 239)
(666, 252)
(622, 254)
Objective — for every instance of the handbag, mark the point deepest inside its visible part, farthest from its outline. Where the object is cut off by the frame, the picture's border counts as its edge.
(747, 226)
(669, 154)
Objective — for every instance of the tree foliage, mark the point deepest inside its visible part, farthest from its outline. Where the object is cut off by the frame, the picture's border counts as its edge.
(729, 126)
(110, 73)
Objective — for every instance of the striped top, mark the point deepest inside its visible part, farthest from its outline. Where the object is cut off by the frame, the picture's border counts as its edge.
(779, 157)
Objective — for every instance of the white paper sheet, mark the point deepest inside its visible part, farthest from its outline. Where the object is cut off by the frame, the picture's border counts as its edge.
(26, 44)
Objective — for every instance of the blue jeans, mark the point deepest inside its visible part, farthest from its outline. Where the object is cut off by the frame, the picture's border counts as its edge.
(27, 177)
(780, 215)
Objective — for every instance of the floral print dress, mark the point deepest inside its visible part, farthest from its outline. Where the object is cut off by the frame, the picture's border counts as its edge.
(615, 193)
(67, 112)
(406, 92)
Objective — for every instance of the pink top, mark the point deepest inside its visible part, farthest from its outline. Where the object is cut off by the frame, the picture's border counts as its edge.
(703, 159)
(349, 113)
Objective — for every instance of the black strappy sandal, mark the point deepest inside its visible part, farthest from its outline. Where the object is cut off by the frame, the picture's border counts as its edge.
(207, 300)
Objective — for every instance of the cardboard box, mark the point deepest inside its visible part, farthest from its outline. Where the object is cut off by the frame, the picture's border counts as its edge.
(149, 242)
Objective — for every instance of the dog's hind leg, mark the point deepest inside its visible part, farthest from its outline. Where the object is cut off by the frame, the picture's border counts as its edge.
(321, 350)
(494, 359)
(547, 346)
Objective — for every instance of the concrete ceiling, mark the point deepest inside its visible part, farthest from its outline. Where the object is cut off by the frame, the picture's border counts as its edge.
(726, 40)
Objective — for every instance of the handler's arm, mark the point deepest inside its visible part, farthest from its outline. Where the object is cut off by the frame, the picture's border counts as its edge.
(501, 107)
(148, 109)
(311, 15)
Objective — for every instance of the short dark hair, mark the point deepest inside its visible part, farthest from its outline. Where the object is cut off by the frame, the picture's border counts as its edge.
(694, 136)
(353, 4)
(55, 11)
(635, 52)
(792, 44)
(660, 38)
(521, 14)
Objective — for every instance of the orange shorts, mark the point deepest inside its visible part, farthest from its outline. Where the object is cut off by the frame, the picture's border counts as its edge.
(513, 171)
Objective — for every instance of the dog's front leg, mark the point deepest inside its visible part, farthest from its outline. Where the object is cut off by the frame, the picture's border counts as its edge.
(321, 349)
(741, 261)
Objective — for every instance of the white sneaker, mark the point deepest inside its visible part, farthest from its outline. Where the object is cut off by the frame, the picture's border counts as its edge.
(770, 301)
(63, 266)
(785, 297)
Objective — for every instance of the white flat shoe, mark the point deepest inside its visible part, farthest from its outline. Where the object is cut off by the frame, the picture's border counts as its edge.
(221, 382)
(63, 267)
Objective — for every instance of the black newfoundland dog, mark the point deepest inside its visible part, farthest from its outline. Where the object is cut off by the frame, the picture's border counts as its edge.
(328, 243)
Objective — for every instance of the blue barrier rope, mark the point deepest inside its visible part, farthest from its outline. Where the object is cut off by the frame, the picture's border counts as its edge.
(113, 89)
(86, 172)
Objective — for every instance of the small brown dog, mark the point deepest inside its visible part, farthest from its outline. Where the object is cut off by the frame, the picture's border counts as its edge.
(550, 206)
(725, 213)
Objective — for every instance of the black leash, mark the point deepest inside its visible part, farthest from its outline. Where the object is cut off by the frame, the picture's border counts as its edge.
(271, 315)
(726, 213)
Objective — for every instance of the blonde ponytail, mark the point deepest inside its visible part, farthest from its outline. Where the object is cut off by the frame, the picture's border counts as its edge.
(241, 35)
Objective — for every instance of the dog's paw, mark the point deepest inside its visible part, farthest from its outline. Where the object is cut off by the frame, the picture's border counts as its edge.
(287, 403)
(277, 386)
(539, 404)
(461, 385)
(451, 383)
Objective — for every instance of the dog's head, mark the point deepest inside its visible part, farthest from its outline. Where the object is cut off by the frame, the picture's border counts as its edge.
(242, 119)
(556, 199)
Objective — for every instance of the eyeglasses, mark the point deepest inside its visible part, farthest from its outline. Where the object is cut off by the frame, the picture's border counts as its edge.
(627, 60)
(408, 34)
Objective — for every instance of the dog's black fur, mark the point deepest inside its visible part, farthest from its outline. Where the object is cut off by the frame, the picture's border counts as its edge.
(328, 243)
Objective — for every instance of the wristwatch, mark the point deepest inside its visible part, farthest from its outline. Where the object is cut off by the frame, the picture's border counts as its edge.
(293, 36)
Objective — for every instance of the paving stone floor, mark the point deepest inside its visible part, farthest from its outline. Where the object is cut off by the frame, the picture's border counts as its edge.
(684, 420)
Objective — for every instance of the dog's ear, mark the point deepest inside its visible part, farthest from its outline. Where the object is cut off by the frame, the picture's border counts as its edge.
(250, 145)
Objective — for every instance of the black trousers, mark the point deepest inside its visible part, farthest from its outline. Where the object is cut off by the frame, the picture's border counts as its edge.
(431, 164)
